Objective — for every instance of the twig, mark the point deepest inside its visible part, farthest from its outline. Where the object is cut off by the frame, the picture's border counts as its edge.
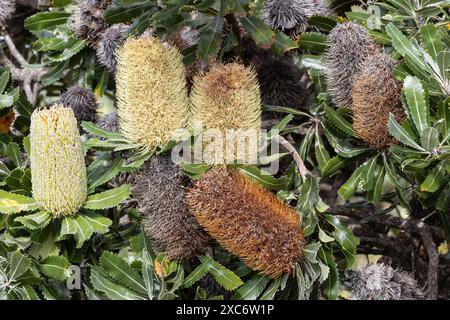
(293, 152)
(13, 50)
(433, 259)
(26, 75)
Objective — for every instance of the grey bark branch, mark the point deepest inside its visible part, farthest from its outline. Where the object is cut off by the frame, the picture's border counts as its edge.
(295, 155)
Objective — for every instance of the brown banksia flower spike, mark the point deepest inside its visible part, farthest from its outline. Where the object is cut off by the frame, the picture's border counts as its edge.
(350, 46)
(248, 221)
(160, 190)
(376, 93)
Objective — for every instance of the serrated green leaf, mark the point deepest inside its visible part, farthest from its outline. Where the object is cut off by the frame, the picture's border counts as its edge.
(4, 171)
(324, 23)
(99, 223)
(338, 122)
(416, 98)
(374, 194)
(432, 40)
(429, 139)
(310, 251)
(124, 14)
(119, 270)
(308, 194)
(434, 179)
(55, 73)
(258, 30)
(11, 203)
(83, 230)
(313, 41)
(14, 153)
(324, 237)
(36, 220)
(108, 199)
(98, 131)
(67, 53)
(18, 265)
(44, 20)
(282, 43)
(68, 226)
(252, 289)
(406, 48)
(210, 39)
(263, 178)
(343, 234)
(369, 176)
(348, 189)
(322, 155)
(225, 277)
(401, 134)
(103, 174)
(4, 79)
(102, 283)
(443, 202)
(56, 267)
(147, 273)
(199, 272)
(270, 292)
(333, 165)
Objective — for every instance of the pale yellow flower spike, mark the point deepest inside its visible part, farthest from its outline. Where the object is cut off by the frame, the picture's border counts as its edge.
(58, 171)
(151, 92)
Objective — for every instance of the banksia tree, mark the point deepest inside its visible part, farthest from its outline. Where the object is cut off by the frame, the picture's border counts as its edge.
(88, 20)
(382, 282)
(291, 16)
(82, 102)
(248, 221)
(58, 171)
(7, 8)
(227, 98)
(110, 41)
(376, 93)
(160, 190)
(151, 92)
(350, 45)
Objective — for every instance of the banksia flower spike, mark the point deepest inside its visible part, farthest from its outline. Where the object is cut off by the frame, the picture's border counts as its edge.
(88, 20)
(382, 282)
(109, 122)
(227, 98)
(282, 82)
(291, 16)
(160, 190)
(376, 93)
(7, 8)
(350, 45)
(82, 102)
(110, 41)
(58, 171)
(151, 92)
(248, 221)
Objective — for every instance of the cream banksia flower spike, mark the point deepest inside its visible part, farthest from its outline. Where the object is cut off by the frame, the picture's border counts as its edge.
(151, 92)
(58, 171)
